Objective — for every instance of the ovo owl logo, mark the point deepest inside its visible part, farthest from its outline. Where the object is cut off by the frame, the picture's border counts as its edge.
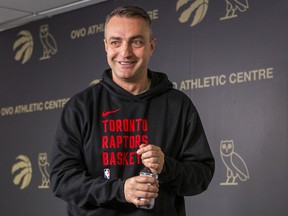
(44, 170)
(23, 46)
(22, 171)
(236, 168)
(48, 42)
(233, 7)
(195, 11)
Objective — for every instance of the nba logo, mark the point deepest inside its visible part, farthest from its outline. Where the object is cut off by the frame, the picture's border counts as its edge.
(107, 173)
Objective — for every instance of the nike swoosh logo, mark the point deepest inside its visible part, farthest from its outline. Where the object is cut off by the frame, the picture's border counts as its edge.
(104, 114)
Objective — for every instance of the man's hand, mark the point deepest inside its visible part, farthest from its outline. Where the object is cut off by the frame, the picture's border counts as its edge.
(140, 187)
(152, 157)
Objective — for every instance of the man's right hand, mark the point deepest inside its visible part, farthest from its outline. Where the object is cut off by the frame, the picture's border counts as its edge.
(140, 187)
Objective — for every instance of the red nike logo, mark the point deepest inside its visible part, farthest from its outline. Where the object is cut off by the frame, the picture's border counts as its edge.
(104, 114)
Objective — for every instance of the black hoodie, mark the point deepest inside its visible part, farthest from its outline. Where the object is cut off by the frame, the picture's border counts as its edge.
(99, 133)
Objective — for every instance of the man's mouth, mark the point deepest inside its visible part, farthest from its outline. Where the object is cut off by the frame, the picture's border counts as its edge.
(126, 63)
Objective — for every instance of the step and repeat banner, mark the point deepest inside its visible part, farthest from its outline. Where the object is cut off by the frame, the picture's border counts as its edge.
(230, 57)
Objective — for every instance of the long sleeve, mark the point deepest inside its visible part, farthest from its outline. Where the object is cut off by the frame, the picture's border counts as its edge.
(191, 172)
(70, 178)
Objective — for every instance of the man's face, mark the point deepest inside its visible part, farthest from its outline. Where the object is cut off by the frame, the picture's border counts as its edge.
(128, 45)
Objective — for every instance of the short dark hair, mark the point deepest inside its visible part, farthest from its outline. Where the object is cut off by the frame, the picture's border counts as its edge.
(130, 12)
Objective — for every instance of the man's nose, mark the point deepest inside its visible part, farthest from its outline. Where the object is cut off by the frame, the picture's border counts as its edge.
(126, 49)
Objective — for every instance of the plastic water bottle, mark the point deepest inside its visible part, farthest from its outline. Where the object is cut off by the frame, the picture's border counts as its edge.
(147, 172)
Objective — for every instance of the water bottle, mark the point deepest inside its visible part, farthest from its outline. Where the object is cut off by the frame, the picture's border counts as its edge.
(147, 172)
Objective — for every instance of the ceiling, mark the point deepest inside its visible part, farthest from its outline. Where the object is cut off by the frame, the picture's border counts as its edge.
(15, 13)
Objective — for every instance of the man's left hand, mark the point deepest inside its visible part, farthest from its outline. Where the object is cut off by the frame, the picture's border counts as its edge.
(152, 157)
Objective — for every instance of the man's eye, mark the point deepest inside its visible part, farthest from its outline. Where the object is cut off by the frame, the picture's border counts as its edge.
(115, 43)
(137, 43)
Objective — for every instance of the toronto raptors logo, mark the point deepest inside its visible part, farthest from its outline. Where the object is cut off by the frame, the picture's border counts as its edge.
(121, 139)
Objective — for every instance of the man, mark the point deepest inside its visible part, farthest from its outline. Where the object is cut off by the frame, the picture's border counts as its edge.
(131, 119)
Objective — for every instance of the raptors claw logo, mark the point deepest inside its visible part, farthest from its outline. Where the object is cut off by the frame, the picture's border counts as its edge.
(23, 46)
(198, 8)
(22, 171)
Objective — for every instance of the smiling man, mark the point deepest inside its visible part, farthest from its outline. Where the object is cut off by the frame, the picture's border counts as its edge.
(129, 43)
(130, 120)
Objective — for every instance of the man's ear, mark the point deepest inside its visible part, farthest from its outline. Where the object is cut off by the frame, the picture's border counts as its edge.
(153, 45)
(105, 44)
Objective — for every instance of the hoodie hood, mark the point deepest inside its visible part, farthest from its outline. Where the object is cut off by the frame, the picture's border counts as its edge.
(159, 85)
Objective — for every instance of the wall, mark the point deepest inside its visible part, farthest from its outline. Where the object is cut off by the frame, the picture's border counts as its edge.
(233, 64)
